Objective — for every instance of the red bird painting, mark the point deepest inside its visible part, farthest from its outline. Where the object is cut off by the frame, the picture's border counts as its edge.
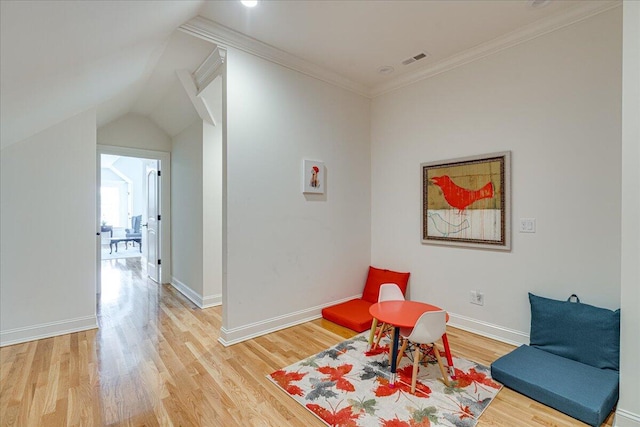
(459, 197)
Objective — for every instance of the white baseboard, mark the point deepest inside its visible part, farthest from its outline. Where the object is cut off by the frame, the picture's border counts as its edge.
(242, 333)
(194, 297)
(246, 332)
(47, 330)
(211, 301)
(186, 291)
(499, 333)
(625, 418)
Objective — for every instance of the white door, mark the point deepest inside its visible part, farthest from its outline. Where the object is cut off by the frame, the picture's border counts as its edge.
(152, 242)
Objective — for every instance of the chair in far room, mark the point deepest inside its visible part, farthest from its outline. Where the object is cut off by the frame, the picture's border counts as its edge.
(134, 232)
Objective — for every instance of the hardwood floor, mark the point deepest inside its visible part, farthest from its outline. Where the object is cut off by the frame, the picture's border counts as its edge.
(156, 361)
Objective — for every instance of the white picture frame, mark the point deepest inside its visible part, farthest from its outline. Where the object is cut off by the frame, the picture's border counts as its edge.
(313, 179)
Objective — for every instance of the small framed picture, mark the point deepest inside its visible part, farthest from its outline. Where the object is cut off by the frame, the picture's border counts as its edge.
(313, 177)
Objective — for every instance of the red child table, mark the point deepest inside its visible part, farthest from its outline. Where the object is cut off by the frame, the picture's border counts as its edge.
(405, 314)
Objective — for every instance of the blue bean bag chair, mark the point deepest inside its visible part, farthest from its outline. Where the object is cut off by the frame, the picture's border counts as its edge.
(572, 362)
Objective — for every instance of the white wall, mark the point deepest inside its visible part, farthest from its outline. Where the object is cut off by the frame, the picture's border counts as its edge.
(186, 212)
(134, 131)
(628, 410)
(197, 206)
(555, 103)
(212, 160)
(288, 255)
(109, 175)
(48, 228)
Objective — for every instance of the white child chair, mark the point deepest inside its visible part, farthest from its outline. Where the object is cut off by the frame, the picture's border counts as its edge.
(387, 292)
(429, 328)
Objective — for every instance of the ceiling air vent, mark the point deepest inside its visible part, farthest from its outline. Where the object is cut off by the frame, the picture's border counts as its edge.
(415, 58)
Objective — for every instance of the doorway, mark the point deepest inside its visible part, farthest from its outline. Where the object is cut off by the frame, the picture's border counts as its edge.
(133, 206)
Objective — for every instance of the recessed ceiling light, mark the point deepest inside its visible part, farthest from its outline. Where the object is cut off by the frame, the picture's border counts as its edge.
(386, 69)
(249, 3)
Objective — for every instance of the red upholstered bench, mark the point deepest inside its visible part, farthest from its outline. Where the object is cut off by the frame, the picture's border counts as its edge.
(354, 314)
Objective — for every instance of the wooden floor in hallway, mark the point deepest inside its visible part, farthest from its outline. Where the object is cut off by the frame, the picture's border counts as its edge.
(156, 361)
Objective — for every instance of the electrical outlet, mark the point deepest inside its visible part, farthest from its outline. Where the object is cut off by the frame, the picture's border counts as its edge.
(527, 225)
(476, 297)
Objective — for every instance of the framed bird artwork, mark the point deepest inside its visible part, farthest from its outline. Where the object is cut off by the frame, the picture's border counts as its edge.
(467, 201)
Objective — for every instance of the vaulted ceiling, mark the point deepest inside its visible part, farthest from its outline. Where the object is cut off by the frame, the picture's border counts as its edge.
(59, 58)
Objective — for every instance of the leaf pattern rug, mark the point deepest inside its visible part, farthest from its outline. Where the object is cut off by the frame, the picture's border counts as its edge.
(348, 386)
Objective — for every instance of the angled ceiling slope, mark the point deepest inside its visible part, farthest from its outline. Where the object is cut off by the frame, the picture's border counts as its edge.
(61, 58)
(121, 56)
(162, 97)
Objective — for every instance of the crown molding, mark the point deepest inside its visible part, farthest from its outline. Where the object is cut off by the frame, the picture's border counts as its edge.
(210, 68)
(573, 15)
(223, 36)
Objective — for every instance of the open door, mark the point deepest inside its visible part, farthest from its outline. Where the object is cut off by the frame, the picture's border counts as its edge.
(153, 218)
(156, 167)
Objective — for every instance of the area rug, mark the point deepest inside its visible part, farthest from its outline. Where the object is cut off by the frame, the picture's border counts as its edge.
(123, 252)
(348, 386)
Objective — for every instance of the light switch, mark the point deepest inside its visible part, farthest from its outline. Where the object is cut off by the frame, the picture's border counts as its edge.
(527, 225)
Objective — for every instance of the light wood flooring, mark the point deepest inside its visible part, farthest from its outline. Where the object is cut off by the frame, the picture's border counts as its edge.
(156, 361)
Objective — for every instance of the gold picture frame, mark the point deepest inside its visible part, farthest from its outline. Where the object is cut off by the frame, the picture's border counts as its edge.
(467, 201)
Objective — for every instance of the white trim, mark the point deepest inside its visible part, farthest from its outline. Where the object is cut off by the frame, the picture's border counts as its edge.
(489, 330)
(190, 88)
(210, 68)
(211, 301)
(626, 419)
(252, 330)
(47, 330)
(223, 36)
(194, 297)
(233, 336)
(185, 290)
(131, 152)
